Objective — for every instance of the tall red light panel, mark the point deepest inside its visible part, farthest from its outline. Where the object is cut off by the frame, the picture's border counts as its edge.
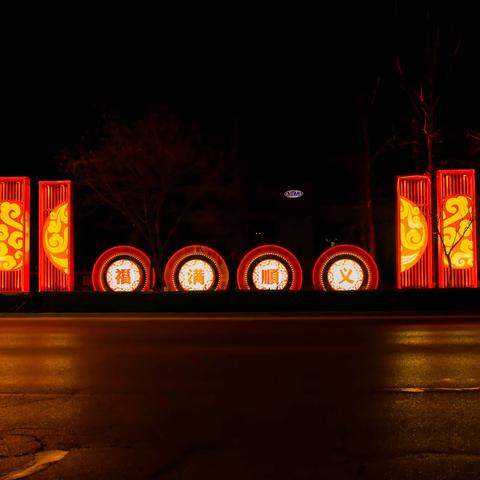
(14, 234)
(414, 232)
(457, 245)
(55, 237)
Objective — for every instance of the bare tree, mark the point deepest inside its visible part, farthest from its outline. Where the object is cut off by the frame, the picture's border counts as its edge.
(154, 171)
(473, 136)
(449, 242)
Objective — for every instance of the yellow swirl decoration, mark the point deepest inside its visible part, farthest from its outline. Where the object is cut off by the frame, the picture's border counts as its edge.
(457, 231)
(11, 236)
(413, 234)
(55, 237)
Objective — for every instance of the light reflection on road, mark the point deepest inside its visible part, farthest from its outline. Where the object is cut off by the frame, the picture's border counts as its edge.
(434, 356)
(43, 359)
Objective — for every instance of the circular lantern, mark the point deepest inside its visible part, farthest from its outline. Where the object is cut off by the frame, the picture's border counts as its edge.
(196, 268)
(345, 267)
(122, 269)
(269, 267)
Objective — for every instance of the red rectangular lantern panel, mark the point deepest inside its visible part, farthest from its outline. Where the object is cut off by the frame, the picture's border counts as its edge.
(457, 245)
(414, 232)
(55, 237)
(14, 234)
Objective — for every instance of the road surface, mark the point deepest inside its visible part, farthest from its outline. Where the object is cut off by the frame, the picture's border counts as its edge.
(239, 397)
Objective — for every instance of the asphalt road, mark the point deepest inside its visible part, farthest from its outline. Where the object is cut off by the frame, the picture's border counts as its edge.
(243, 397)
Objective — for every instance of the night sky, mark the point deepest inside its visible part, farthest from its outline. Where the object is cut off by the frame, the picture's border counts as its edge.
(286, 80)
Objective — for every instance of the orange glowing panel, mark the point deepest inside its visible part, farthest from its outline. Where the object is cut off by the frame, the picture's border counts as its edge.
(14, 234)
(457, 257)
(196, 268)
(269, 267)
(122, 269)
(55, 237)
(414, 232)
(343, 268)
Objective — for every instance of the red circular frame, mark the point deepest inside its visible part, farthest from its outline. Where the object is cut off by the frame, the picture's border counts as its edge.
(207, 254)
(109, 256)
(275, 252)
(345, 251)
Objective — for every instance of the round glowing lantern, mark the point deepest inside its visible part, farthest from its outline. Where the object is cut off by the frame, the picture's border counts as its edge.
(122, 269)
(196, 268)
(345, 267)
(269, 267)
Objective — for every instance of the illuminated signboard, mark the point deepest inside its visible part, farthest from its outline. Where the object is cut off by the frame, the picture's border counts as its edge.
(55, 242)
(196, 268)
(345, 267)
(122, 269)
(414, 232)
(457, 258)
(269, 267)
(293, 193)
(14, 234)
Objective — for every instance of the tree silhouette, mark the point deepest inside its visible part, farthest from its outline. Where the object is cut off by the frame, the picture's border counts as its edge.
(156, 171)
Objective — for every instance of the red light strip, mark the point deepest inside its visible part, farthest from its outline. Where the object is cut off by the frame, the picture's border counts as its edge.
(457, 245)
(15, 234)
(323, 276)
(208, 270)
(55, 237)
(286, 260)
(115, 254)
(414, 232)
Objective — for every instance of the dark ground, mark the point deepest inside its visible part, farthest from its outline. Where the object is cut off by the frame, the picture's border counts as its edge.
(250, 396)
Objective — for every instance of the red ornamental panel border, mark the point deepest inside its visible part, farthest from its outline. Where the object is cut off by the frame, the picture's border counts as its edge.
(14, 234)
(55, 237)
(414, 232)
(196, 268)
(457, 246)
(345, 268)
(269, 267)
(122, 269)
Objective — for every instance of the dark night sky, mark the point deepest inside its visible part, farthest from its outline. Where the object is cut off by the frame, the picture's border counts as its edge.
(288, 78)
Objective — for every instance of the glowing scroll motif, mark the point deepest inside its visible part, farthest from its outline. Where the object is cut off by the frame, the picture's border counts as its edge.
(55, 237)
(457, 231)
(11, 236)
(413, 234)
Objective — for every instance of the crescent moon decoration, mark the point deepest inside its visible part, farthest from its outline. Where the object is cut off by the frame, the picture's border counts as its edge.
(56, 237)
(414, 234)
(196, 268)
(343, 268)
(56, 271)
(269, 267)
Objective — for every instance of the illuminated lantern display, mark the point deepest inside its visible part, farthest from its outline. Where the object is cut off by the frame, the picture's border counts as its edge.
(345, 267)
(457, 257)
(122, 269)
(196, 268)
(414, 232)
(269, 267)
(14, 234)
(55, 237)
